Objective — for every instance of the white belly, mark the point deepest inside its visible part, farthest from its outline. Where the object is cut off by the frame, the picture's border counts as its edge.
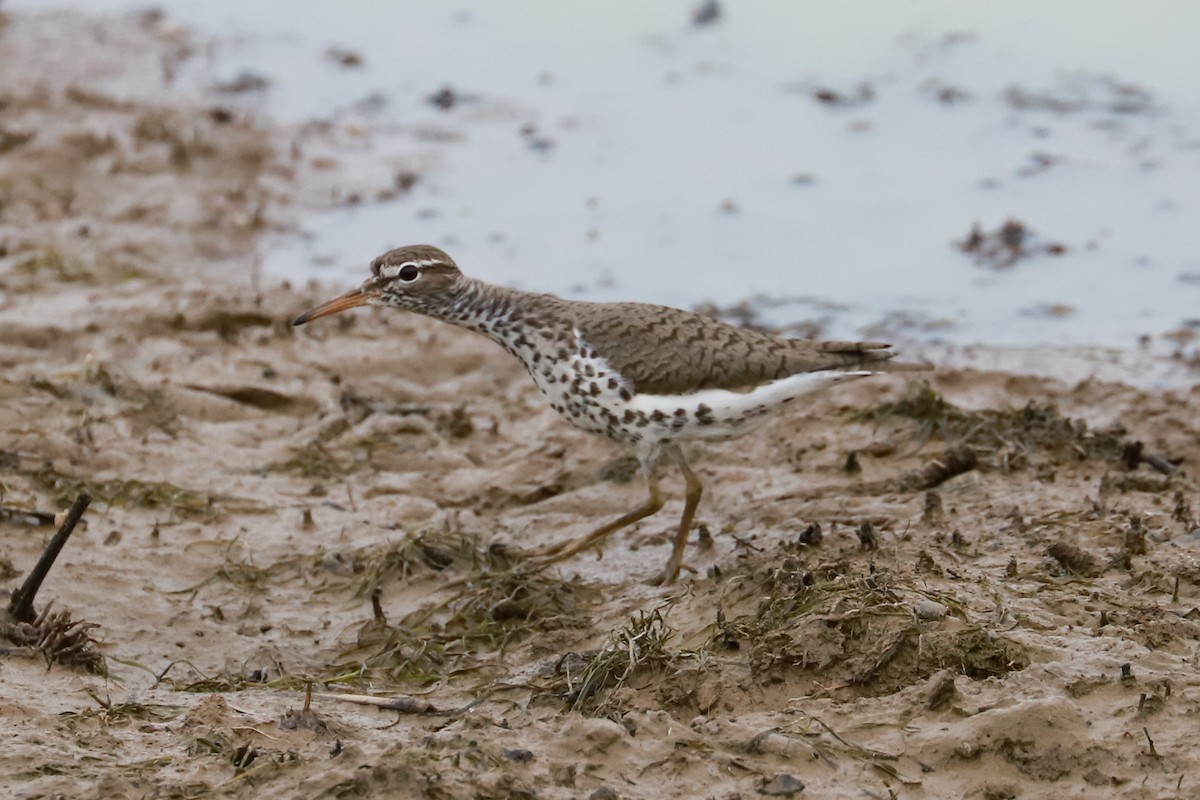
(714, 414)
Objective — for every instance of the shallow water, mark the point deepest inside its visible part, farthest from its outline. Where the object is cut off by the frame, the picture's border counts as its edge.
(619, 151)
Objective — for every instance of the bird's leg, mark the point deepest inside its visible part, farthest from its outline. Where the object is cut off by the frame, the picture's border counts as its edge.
(694, 489)
(654, 502)
(565, 550)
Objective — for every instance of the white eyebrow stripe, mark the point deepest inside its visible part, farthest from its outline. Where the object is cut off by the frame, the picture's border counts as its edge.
(392, 270)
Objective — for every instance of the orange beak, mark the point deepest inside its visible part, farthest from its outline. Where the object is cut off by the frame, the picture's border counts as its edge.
(351, 299)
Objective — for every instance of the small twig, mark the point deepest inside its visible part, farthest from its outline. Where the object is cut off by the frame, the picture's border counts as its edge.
(377, 606)
(1135, 453)
(746, 543)
(259, 731)
(403, 704)
(1159, 463)
(864, 752)
(23, 516)
(955, 461)
(1153, 752)
(21, 606)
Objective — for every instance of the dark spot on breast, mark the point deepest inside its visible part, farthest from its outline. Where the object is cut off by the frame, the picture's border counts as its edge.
(594, 389)
(629, 416)
(589, 370)
(612, 383)
(625, 395)
(658, 416)
(681, 412)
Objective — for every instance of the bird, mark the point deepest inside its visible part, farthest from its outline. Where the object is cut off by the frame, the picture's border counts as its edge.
(649, 376)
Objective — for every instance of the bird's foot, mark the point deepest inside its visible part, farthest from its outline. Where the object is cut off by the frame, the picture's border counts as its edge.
(669, 573)
(553, 554)
(546, 552)
(664, 578)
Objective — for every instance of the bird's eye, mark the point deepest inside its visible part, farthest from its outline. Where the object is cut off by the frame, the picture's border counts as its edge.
(408, 273)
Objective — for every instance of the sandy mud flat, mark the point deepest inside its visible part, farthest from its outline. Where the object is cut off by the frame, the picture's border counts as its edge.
(975, 584)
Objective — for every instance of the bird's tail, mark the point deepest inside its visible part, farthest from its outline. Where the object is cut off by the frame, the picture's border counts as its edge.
(874, 356)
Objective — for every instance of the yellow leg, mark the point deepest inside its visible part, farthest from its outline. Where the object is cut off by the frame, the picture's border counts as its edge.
(694, 489)
(567, 549)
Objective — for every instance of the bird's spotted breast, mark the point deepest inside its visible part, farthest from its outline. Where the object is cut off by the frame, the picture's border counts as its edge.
(586, 390)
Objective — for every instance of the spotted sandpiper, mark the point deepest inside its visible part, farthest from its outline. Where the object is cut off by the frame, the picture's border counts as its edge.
(650, 376)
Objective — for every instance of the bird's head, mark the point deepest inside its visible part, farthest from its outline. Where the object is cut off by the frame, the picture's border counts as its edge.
(418, 277)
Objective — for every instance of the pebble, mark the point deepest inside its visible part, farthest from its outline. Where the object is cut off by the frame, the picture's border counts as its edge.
(930, 609)
(782, 785)
(604, 793)
(601, 734)
(518, 755)
(771, 743)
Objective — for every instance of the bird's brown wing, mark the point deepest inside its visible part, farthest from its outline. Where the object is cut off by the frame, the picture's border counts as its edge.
(665, 350)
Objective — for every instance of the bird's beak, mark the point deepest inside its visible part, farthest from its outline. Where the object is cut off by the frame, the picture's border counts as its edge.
(351, 299)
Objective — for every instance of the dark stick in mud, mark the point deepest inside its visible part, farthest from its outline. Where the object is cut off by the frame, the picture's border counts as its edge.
(1135, 453)
(21, 605)
(23, 516)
